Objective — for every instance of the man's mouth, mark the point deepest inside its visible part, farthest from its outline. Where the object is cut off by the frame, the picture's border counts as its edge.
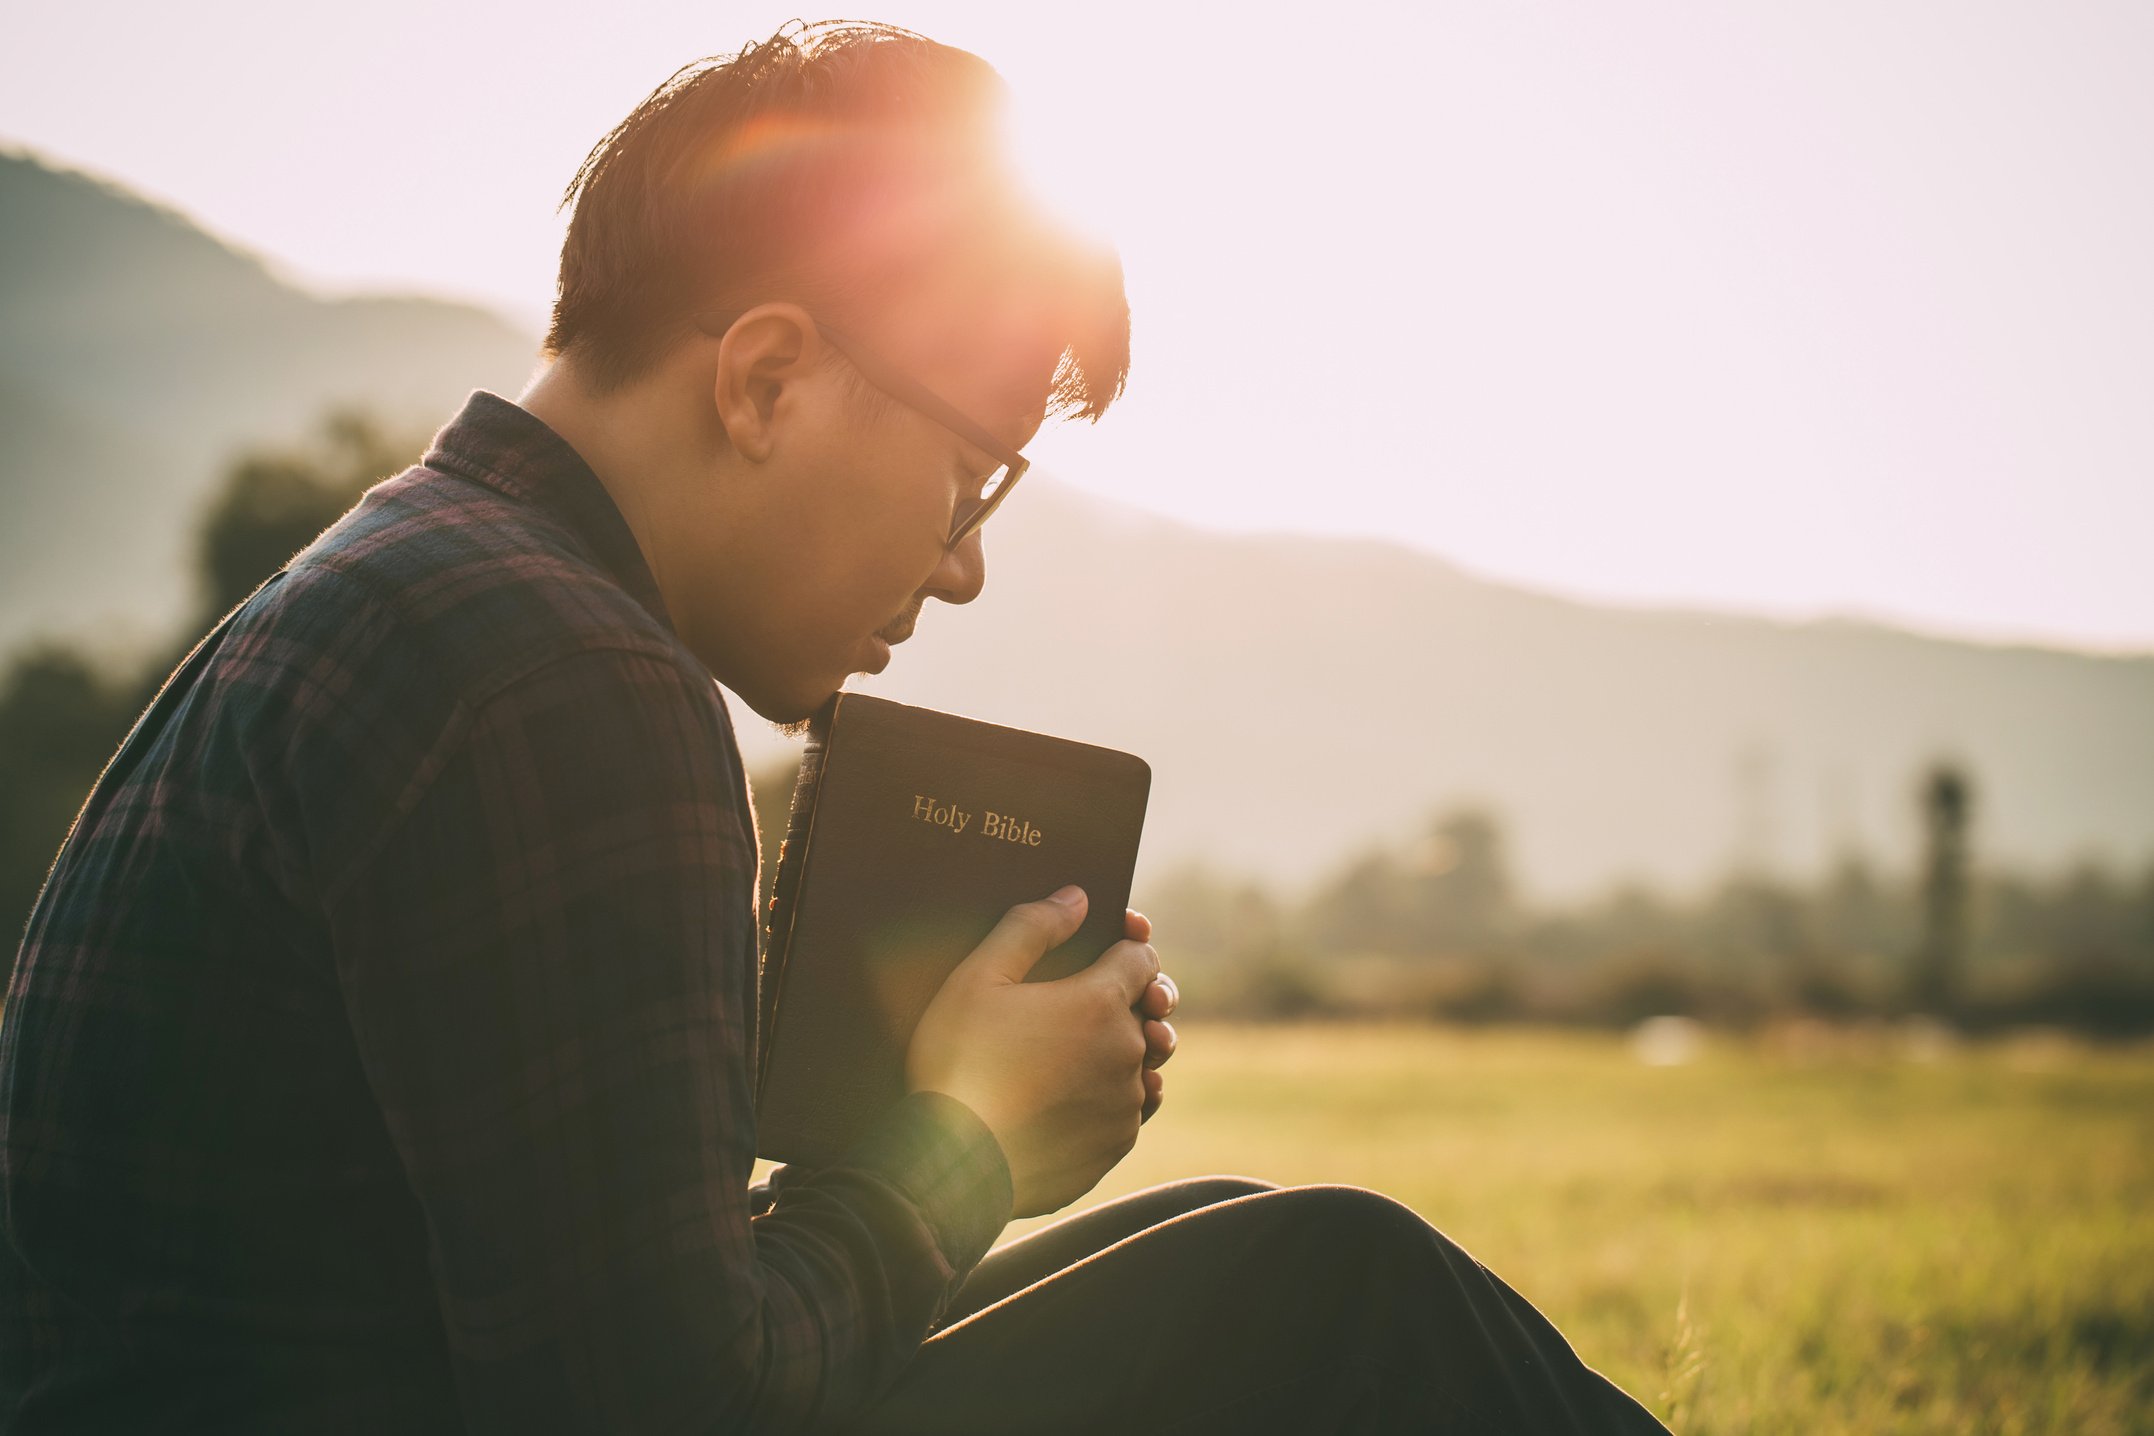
(901, 629)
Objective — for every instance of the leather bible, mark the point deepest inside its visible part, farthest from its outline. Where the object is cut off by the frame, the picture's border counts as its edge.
(911, 833)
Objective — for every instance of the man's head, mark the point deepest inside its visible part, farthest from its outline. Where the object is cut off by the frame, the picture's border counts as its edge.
(842, 180)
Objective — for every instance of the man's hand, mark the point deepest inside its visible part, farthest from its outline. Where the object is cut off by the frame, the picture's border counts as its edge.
(1154, 1008)
(1061, 1072)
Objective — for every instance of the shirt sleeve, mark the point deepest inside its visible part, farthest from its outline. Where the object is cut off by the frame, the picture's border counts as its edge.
(549, 965)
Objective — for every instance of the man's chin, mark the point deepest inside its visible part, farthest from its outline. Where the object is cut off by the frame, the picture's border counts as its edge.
(792, 713)
(789, 695)
(791, 718)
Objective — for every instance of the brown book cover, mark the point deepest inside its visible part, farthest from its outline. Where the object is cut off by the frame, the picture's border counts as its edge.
(911, 833)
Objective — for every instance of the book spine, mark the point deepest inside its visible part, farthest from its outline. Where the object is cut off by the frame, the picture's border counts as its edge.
(785, 888)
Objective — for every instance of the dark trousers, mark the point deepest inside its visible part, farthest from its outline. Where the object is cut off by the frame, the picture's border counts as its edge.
(1229, 1305)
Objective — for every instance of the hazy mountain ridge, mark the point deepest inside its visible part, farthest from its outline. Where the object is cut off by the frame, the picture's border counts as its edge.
(1298, 697)
(139, 353)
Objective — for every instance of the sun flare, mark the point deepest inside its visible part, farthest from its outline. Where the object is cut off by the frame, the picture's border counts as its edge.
(1064, 171)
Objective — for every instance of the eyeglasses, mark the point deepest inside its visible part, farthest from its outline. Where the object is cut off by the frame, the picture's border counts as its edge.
(918, 397)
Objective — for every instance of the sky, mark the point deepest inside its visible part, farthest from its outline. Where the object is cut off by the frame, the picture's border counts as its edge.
(1829, 308)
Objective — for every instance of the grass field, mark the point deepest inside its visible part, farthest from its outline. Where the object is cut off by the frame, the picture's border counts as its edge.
(1814, 1236)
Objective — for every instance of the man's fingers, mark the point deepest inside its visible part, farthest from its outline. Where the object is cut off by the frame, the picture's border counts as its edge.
(1127, 967)
(1155, 1092)
(1136, 926)
(1159, 1042)
(1026, 933)
(1161, 998)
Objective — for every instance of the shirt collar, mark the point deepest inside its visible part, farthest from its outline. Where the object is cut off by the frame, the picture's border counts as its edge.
(510, 449)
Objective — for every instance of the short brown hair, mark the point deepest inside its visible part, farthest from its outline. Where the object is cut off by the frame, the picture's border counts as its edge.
(826, 165)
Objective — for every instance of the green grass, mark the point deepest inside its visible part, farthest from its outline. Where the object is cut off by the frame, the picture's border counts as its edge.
(1777, 1237)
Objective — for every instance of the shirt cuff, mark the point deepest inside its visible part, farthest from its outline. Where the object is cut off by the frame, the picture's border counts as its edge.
(938, 1152)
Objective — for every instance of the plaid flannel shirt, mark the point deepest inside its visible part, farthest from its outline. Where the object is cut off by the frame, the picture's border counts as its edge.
(378, 1056)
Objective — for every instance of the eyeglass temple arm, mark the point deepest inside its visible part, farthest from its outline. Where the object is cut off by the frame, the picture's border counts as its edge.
(896, 385)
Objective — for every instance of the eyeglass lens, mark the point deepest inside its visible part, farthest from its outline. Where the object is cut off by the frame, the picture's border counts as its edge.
(973, 513)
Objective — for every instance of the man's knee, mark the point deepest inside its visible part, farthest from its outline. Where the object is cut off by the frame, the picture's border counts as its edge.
(1341, 1211)
(1346, 1229)
(1210, 1191)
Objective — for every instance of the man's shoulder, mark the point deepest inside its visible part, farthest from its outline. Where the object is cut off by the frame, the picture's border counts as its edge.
(461, 588)
(352, 678)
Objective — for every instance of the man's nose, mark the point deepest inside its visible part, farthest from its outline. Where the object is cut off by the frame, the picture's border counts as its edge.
(961, 574)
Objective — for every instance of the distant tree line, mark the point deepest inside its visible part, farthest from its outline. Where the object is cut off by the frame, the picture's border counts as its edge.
(1437, 928)
(1434, 927)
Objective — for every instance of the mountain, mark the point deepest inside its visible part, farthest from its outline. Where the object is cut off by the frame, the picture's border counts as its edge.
(139, 353)
(1297, 697)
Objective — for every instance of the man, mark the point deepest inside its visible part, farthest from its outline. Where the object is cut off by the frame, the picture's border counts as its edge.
(377, 1056)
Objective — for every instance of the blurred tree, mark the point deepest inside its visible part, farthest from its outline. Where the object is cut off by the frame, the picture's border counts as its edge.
(1751, 920)
(2090, 919)
(1459, 897)
(1846, 923)
(1935, 981)
(1630, 917)
(2139, 922)
(1276, 989)
(1447, 893)
(275, 501)
(1853, 911)
(1859, 920)
(60, 719)
(61, 716)
(1631, 987)
(1197, 912)
(1362, 909)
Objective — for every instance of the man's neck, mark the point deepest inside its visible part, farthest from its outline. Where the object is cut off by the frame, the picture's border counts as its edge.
(622, 436)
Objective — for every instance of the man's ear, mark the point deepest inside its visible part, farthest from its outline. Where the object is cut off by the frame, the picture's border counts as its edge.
(761, 358)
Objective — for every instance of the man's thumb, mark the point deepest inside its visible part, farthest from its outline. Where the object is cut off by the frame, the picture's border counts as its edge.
(1026, 933)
